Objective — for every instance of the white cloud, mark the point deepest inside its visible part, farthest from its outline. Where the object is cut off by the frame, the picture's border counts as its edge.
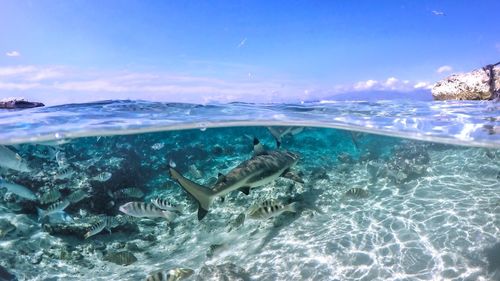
(365, 85)
(13, 54)
(422, 85)
(444, 68)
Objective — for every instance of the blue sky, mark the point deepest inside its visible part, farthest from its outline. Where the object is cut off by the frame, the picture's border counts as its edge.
(201, 51)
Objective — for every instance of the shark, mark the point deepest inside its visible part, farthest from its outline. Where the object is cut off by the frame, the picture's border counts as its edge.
(262, 168)
(280, 132)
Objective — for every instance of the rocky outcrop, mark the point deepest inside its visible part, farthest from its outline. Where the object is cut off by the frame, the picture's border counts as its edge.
(480, 84)
(19, 104)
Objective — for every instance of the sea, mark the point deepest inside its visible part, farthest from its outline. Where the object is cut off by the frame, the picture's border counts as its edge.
(326, 190)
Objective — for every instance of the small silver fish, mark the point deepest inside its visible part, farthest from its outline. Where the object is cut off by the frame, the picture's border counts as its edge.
(145, 210)
(50, 196)
(357, 192)
(102, 177)
(239, 221)
(18, 189)
(61, 159)
(77, 196)
(195, 172)
(175, 274)
(158, 146)
(165, 205)
(10, 159)
(271, 208)
(54, 208)
(130, 192)
(60, 217)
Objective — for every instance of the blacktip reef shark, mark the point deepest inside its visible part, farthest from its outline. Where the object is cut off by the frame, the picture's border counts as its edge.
(279, 132)
(263, 168)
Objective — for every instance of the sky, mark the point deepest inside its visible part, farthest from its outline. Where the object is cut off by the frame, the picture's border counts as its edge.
(221, 51)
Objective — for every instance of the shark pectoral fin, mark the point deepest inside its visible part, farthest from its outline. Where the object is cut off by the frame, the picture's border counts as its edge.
(201, 213)
(292, 176)
(278, 143)
(222, 199)
(220, 178)
(245, 190)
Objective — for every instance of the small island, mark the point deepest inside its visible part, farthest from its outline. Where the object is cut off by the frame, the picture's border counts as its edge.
(18, 104)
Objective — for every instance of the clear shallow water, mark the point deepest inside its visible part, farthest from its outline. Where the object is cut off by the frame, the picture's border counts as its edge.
(431, 211)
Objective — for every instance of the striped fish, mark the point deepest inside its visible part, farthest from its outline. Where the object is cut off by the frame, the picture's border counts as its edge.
(357, 192)
(106, 222)
(102, 177)
(165, 205)
(175, 274)
(271, 208)
(130, 192)
(64, 173)
(120, 258)
(145, 210)
(54, 208)
(77, 196)
(50, 196)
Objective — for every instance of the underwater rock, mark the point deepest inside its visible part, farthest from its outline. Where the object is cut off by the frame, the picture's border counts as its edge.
(19, 104)
(480, 84)
(222, 272)
(5, 275)
(120, 258)
(6, 227)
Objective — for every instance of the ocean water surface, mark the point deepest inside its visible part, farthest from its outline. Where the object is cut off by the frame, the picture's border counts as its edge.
(314, 191)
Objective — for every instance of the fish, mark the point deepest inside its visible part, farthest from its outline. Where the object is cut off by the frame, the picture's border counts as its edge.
(77, 196)
(158, 146)
(50, 196)
(61, 159)
(18, 189)
(215, 249)
(239, 221)
(263, 168)
(279, 132)
(145, 210)
(271, 208)
(175, 274)
(195, 172)
(130, 192)
(11, 160)
(165, 205)
(54, 208)
(64, 173)
(60, 217)
(357, 192)
(106, 222)
(102, 177)
(120, 258)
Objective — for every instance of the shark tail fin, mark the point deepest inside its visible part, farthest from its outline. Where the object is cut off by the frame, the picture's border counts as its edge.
(202, 194)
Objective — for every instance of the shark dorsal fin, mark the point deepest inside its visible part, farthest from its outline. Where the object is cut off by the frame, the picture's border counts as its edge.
(220, 178)
(258, 148)
(245, 190)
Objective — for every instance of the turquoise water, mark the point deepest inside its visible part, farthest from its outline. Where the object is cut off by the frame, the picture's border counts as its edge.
(384, 191)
